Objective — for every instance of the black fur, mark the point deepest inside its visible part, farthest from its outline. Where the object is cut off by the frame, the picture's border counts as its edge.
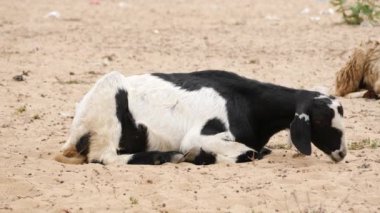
(245, 157)
(152, 158)
(263, 152)
(204, 158)
(133, 137)
(256, 111)
(340, 110)
(213, 126)
(254, 115)
(83, 144)
(300, 133)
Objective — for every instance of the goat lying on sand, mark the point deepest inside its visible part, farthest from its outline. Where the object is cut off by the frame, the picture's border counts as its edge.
(362, 71)
(201, 117)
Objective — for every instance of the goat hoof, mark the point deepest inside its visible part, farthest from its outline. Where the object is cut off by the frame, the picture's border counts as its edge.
(177, 158)
(246, 157)
(192, 154)
(198, 156)
(263, 152)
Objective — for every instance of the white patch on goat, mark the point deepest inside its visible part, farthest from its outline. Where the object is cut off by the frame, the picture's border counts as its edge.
(337, 122)
(303, 116)
(175, 117)
(321, 89)
(335, 155)
(322, 96)
(169, 111)
(92, 115)
(165, 109)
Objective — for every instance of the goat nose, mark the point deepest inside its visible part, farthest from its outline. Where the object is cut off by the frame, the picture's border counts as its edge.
(342, 154)
(338, 155)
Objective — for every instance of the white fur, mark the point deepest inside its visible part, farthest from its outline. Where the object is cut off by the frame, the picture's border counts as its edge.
(152, 99)
(322, 89)
(337, 122)
(303, 116)
(321, 96)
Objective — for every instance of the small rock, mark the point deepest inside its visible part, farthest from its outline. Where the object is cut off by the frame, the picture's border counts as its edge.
(272, 18)
(315, 18)
(364, 166)
(306, 10)
(18, 78)
(329, 11)
(366, 24)
(253, 61)
(123, 4)
(53, 14)
(25, 73)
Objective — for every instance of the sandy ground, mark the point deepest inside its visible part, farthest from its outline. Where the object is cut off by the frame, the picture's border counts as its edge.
(268, 40)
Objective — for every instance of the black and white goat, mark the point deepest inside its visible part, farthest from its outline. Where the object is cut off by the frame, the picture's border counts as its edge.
(201, 117)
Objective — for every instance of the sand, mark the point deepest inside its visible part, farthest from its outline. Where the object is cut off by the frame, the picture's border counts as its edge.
(268, 40)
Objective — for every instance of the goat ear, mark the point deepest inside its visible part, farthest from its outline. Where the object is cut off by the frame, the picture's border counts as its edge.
(300, 133)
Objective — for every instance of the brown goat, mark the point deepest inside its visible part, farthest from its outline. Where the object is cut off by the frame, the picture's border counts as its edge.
(362, 71)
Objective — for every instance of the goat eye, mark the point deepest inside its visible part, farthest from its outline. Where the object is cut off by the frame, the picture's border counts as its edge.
(319, 122)
(340, 110)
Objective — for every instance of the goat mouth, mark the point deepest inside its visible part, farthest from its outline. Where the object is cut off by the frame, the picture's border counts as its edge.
(338, 155)
(336, 160)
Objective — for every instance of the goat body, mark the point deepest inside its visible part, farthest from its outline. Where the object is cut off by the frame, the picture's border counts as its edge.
(362, 71)
(201, 117)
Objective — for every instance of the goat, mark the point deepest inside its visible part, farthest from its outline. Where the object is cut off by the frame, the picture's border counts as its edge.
(362, 71)
(201, 117)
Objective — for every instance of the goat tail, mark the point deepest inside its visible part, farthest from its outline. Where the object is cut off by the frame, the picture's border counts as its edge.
(70, 155)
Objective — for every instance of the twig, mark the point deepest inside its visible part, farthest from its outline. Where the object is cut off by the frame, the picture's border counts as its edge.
(296, 199)
(341, 203)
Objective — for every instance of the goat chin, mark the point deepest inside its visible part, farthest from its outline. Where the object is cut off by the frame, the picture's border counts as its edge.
(363, 69)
